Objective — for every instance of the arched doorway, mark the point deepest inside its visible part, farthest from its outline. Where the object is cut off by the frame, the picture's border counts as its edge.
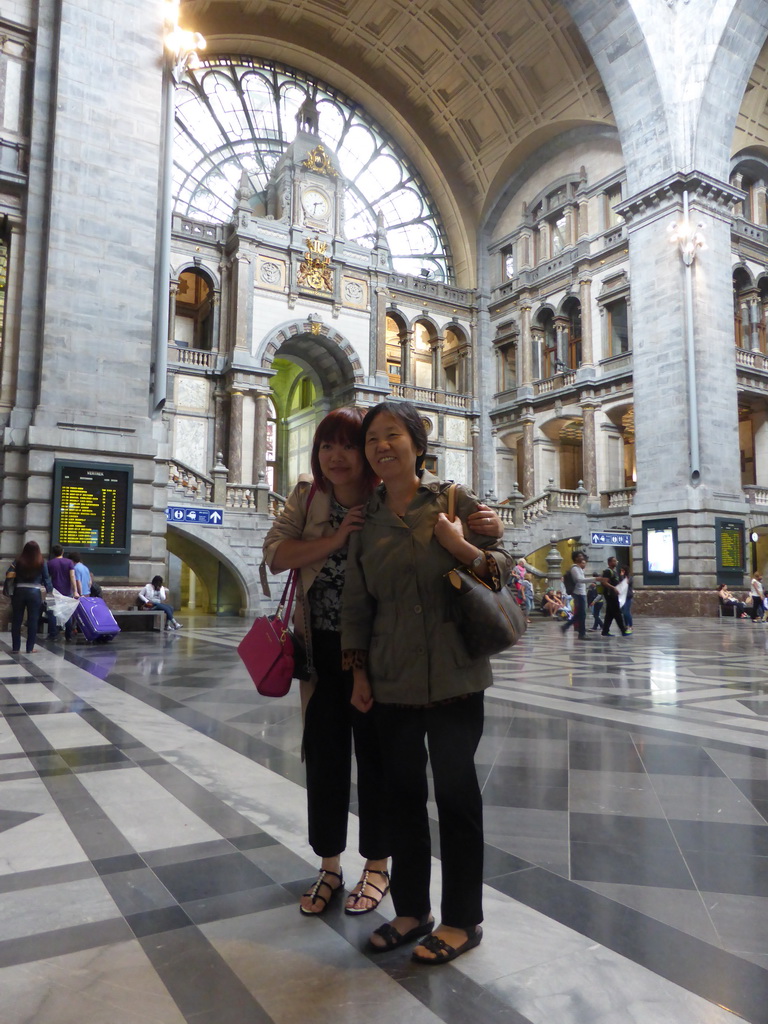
(316, 369)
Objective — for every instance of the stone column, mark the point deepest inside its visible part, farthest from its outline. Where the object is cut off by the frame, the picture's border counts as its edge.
(220, 432)
(242, 318)
(260, 436)
(759, 203)
(527, 475)
(583, 218)
(525, 369)
(589, 449)
(235, 436)
(172, 312)
(685, 391)
(585, 297)
(438, 377)
(561, 345)
(405, 357)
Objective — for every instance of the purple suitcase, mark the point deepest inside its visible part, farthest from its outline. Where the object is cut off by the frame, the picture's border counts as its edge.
(95, 620)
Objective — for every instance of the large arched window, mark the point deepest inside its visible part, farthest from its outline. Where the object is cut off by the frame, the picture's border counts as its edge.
(239, 114)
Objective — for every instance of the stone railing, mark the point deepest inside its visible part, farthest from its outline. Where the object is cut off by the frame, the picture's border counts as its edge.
(431, 397)
(276, 504)
(560, 380)
(751, 360)
(616, 364)
(555, 499)
(241, 496)
(201, 358)
(620, 498)
(190, 482)
(535, 508)
(755, 494)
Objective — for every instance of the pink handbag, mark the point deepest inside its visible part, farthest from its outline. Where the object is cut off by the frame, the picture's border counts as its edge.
(267, 649)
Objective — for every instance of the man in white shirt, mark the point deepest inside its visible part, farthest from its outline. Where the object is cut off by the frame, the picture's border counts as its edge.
(579, 594)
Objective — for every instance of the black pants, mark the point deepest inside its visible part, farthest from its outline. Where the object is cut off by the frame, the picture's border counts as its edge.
(330, 724)
(451, 732)
(613, 611)
(31, 600)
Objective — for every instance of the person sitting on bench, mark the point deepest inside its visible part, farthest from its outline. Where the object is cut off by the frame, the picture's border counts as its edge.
(154, 595)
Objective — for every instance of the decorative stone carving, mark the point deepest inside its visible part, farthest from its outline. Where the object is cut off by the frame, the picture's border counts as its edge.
(270, 273)
(455, 430)
(354, 293)
(190, 442)
(191, 393)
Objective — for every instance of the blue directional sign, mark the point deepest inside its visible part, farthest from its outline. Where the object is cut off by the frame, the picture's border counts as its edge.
(196, 516)
(614, 540)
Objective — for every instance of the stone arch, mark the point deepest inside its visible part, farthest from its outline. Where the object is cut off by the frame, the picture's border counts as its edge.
(202, 550)
(738, 48)
(314, 342)
(400, 319)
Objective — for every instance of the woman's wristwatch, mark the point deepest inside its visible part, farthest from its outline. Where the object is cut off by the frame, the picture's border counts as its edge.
(477, 563)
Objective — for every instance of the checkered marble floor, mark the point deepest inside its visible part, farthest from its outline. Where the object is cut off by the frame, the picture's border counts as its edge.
(152, 840)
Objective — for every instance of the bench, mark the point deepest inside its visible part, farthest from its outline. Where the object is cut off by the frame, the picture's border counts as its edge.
(132, 620)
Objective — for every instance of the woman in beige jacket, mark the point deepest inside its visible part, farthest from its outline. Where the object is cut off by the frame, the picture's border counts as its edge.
(414, 673)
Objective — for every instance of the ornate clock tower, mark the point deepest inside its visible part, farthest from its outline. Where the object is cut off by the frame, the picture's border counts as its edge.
(306, 189)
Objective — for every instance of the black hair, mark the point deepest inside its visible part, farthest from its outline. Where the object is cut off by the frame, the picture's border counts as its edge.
(157, 582)
(410, 417)
(57, 550)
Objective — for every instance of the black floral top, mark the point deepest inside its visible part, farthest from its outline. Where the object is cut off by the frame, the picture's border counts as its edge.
(325, 592)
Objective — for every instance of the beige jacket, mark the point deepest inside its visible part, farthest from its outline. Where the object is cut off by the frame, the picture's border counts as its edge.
(295, 523)
(396, 601)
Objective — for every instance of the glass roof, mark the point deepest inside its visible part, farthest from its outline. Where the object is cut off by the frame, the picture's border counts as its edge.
(239, 114)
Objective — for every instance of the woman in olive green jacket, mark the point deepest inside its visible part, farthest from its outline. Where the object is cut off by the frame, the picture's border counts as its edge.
(412, 669)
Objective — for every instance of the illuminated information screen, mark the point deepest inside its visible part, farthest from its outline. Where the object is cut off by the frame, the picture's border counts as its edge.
(730, 547)
(92, 503)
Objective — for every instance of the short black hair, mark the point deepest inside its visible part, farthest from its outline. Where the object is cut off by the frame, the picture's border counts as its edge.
(57, 550)
(410, 417)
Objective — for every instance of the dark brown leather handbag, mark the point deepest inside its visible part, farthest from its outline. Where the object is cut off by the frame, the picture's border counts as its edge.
(489, 620)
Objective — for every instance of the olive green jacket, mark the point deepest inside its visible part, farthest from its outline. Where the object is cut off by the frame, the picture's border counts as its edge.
(396, 601)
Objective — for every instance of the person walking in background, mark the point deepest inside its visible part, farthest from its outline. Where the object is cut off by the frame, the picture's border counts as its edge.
(757, 594)
(31, 576)
(83, 577)
(154, 595)
(595, 601)
(610, 581)
(62, 571)
(625, 596)
(579, 594)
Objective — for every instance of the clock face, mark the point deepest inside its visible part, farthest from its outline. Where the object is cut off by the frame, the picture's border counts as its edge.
(315, 204)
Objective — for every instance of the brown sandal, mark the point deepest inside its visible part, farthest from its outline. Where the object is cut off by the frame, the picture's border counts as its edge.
(315, 893)
(359, 893)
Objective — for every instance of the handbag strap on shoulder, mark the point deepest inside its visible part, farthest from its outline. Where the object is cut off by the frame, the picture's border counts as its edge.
(452, 502)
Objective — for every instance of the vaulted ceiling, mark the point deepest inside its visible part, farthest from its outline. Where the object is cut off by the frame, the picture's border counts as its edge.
(469, 88)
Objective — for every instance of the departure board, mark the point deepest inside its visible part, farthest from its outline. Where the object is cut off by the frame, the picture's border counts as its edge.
(92, 503)
(731, 553)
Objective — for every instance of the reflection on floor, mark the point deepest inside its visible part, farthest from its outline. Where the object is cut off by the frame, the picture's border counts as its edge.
(152, 841)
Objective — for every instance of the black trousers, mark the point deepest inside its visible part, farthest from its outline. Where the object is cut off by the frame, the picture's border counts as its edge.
(613, 611)
(330, 725)
(449, 733)
(31, 600)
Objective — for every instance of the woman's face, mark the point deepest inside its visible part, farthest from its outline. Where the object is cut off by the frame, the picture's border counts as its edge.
(390, 449)
(340, 463)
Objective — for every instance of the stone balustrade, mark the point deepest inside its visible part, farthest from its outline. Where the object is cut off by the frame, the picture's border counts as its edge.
(189, 482)
(431, 396)
(197, 357)
(621, 497)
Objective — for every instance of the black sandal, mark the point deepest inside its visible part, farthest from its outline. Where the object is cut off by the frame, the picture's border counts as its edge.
(315, 893)
(393, 938)
(359, 893)
(443, 952)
